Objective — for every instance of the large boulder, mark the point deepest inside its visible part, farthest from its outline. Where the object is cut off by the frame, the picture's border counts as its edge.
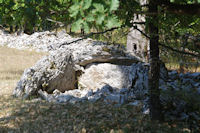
(52, 72)
(111, 82)
(86, 70)
(60, 70)
(134, 77)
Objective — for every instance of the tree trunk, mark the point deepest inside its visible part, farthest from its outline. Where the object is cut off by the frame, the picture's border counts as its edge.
(154, 73)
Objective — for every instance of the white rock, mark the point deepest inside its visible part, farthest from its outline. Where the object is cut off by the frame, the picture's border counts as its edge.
(135, 103)
(98, 75)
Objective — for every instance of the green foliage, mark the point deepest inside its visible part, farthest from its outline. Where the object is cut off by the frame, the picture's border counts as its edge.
(82, 14)
(94, 13)
(29, 14)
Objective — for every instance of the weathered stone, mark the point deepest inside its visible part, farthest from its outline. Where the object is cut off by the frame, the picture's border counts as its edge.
(137, 43)
(52, 72)
(61, 68)
(39, 41)
(134, 103)
(102, 72)
(88, 51)
(98, 75)
(134, 77)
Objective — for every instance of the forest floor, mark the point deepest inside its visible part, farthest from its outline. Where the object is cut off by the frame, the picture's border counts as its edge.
(35, 116)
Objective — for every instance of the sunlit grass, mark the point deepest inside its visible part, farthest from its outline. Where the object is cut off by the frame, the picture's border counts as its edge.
(12, 64)
(176, 66)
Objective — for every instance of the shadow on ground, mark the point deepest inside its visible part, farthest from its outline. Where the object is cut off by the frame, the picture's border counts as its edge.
(20, 116)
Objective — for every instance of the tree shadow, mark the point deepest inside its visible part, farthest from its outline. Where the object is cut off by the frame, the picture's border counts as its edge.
(36, 116)
(41, 116)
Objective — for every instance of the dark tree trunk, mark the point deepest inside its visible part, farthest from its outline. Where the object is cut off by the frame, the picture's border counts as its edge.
(154, 73)
(82, 32)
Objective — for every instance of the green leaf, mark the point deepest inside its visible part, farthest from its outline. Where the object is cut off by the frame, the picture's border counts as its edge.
(114, 5)
(99, 7)
(112, 22)
(90, 18)
(73, 10)
(87, 4)
(77, 25)
(100, 19)
(86, 27)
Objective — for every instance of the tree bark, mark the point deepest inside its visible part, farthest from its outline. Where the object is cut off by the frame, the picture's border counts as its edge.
(154, 73)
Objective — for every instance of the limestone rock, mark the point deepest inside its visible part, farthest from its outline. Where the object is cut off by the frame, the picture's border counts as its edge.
(50, 73)
(60, 69)
(137, 43)
(39, 41)
(133, 77)
(98, 75)
(89, 51)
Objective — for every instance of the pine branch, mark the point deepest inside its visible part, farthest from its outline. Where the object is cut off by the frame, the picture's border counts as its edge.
(88, 35)
(178, 51)
(97, 33)
(168, 47)
(57, 22)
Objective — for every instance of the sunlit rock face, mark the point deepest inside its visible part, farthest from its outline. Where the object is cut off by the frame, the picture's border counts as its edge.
(50, 73)
(133, 77)
(98, 75)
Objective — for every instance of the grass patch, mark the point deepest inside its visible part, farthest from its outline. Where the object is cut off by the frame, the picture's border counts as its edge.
(176, 66)
(12, 64)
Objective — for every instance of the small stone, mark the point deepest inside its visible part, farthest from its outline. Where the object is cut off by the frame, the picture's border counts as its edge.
(184, 116)
(63, 98)
(146, 111)
(135, 103)
(124, 90)
(115, 99)
(74, 100)
(94, 98)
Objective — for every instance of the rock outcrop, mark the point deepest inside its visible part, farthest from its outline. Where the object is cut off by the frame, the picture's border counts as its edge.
(62, 68)
(133, 77)
(39, 41)
(55, 71)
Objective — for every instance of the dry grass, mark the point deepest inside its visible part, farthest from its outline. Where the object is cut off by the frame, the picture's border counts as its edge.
(176, 66)
(30, 116)
(12, 64)
(39, 116)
